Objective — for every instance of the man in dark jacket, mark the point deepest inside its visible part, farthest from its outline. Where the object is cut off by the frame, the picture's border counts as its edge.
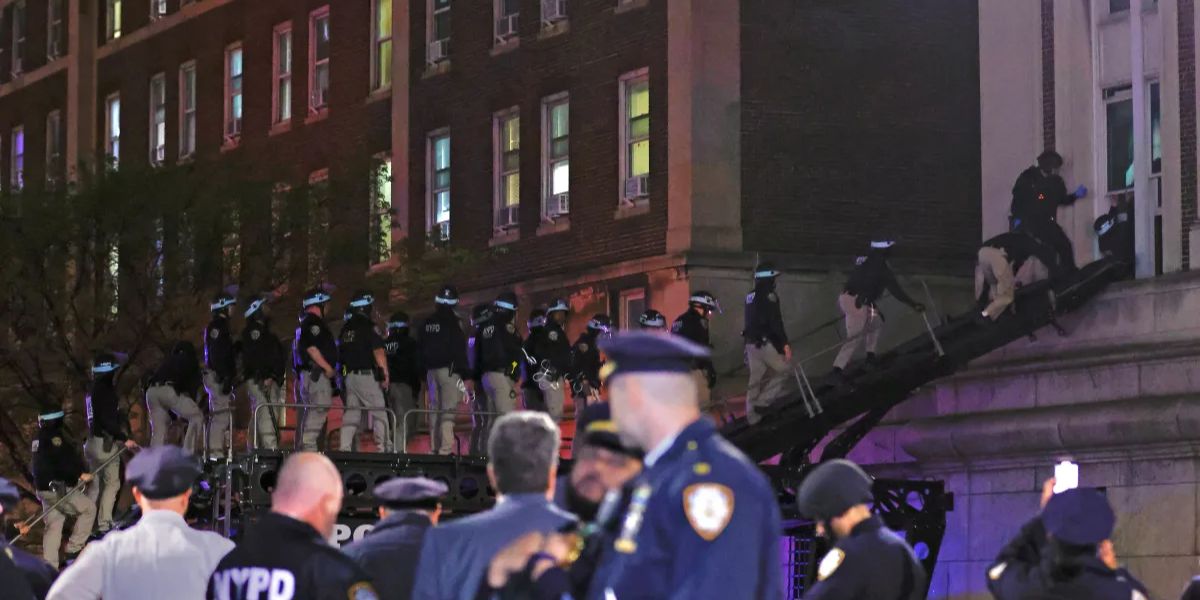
(531, 390)
(173, 387)
(586, 362)
(1036, 196)
(35, 574)
(444, 354)
(500, 357)
(57, 468)
(410, 506)
(553, 352)
(768, 354)
(107, 438)
(263, 364)
(1115, 233)
(405, 368)
(220, 371)
(693, 325)
(1000, 259)
(859, 303)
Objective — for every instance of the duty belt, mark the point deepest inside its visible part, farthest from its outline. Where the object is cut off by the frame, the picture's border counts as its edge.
(360, 372)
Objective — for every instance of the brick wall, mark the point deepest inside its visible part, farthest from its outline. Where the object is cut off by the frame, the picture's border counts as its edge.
(28, 107)
(585, 61)
(860, 118)
(1048, 107)
(1187, 123)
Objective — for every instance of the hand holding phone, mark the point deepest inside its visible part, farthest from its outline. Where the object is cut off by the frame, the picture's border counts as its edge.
(1066, 476)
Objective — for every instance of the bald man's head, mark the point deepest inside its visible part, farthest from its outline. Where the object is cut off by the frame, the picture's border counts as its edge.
(309, 489)
(643, 402)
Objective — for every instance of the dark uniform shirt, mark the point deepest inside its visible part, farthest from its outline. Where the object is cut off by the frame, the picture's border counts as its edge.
(390, 551)
(181, 372)
(873, 562)
(262, 352)
(12, 580)
(1020, 246)
(694, 326)
(55, 458)
(1036, 196)
(38, 574)
(869, 279)
(1115, 232)
(403, 362)
(104, 420)
(312, 332)
(703, 522)
(218, 348)
(357, 344)
(443, 343)
(585, 360)
(764, 321)
(535, 339)
(553, 346)
(500, 346)
(289, 558)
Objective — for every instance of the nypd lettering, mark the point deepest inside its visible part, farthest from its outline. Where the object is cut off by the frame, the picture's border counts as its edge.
(254, 583)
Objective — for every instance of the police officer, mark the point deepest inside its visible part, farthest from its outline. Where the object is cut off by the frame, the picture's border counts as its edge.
(1036, 196)
(365, 373)
(586, 362)
(263, 364)
(600, 463)
(409, 507)
(481, 314)
(286, 553)
(57, 467)
(405, 370)
(500, 355)
(174, 387)
(693, 325)
(768, 353)
(107, 438)
(1064, 553)
(867, 559)
(652, 320)
(531, 390)
(859, 303)
(314, 353)
(1114, 232)
(219, 370)
(22, 574)
(703, 521)
(444, 353)
(554, 355)
(1000, 259)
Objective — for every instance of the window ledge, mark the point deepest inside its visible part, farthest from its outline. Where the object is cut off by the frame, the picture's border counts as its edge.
(506, 237)
(640, 206)
(280, 127)
(320, 115)
(626, 6)
(379, 94)
(550, 30)
(557, 225)
(186, 159)
(231, 144)
(507, 46)
(438, 68)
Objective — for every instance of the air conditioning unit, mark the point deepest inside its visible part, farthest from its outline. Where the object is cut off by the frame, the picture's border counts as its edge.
(554, 11)
(318, 100)
(637, 187)
(506, 28)
(233, 129)
(439, 50)
(558, 204)
(442, 231)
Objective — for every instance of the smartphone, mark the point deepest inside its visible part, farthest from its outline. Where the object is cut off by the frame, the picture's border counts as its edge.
(1066, 476)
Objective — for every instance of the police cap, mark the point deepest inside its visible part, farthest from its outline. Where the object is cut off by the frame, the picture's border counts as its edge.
(703, 298)
(651, 318)
(256, 305)
(9, 494)
(221, 300)
(646, 352)
(765, 270)
(480, 313)
(398, 320)
(316, 296)
(1079, 516)
(448, 295)
(362, 299)
(537, 317)
(559, 305)
(410, 492)
(596, 427)
(506, 301)
(105, 362)
(162, 472)
(833, 488)
(600, 322)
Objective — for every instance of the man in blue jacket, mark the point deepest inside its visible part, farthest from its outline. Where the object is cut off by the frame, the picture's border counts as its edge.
(410, 506)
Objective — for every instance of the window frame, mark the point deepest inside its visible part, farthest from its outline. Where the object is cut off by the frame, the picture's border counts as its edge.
(280, 76)
(629, 321)
(501, 172)
(313, 65)
(626, 83)
(549, 162)
(187, 114)
(432, 12)
(16, 159)
(53, 148)
(157, 133)
(432, 190)
(1110, 96)
(19, 34)
(112, 128)
(112, 20)
(162, 9)
(55, 23)
(234, 98)
(498, 14)
(381, 79)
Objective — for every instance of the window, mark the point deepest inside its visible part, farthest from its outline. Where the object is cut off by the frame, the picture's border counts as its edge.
(233, 93)
(19, 15)
(318, 60)
(381, 49)
(635, 135)
(381, 211)
(112, 128)
(16, 166)
(282, 107)
(318, 225)
(187, 109)
(439, 186)
(54, 143)
(507, 14)
(55, 31)
(158, 9)
(158, 119)
(1155, 129)
(439, 31)
(633, 304)
(553, 11)
(506, 133)
(1118, 104)
(556, 138)
(112, 19)
(1116, 6)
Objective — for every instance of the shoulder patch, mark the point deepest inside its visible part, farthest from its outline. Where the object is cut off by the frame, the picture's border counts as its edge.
(583, 347)
(362, 591)
(749, 297)
(553, 335)
(255, 334)
(709, 508)
(57, 441)
(315, 329)
(489, 331)
(677, 326)
(830, 563)
(214, 333)
(995, 572)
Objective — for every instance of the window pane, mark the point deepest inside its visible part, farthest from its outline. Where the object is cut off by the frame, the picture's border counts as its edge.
(441, 153)
(512, 134)
(511, 7)
(1155, 129)
(640, 127)
(441, 25)
(1120, 145)
(441, 179)
(559, 123)
(560, 147)
(639, 99)
(1115, 6)
(442, 202)
(383, 70)
(560, 177)
(235, 62)
(322, 35)
(639, 158)
(383, 19)
(285, 100)
(512, 189)
(440, 4)
(285, 52)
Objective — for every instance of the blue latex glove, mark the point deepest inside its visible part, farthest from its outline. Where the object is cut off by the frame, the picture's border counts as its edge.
(1081, 191)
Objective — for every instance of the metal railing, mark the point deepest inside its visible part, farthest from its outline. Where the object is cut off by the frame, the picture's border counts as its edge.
(440, 411)
(299, 430)
(27, 525)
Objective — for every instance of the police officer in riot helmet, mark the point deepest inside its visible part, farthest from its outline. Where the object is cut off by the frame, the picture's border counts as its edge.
(448, 376)
(872, 275)
(219, 370)
(365, 371)
(108, 436)
(314, 354)
(174, 387)
(500, 355)
(406, 374)
(586, 362)
(693, 325)
(768, 353)
(263, 363)
(531, 390)
(652, 320)
(57, 468)
(1036, 196)
(867, 559)
(553, 352)
(481, 314)
(1115, 234)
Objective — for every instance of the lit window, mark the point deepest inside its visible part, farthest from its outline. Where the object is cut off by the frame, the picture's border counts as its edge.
(112, 19)
(112, 128)
(556, 164)
(187, 110)
(381, 63)
(318, 225)
(282, 110)
(633, 304)
(19, 15)
(507, 19)
(439, 186)
(55, 32)
(158, 9)
(54, 142)
(1118, 104)
(635, 135)
(233, 92)
(1155, 129)
(438, 26)
(381, 211)
(16, 167)
(158, 118)
(507, 161)
(318, 60)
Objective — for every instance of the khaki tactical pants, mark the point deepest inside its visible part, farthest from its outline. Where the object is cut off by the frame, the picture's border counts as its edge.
(401, 400)
(704, 395)
(104, 488)
(444, 396)
(262, 392)
(555, 399)
(160, 400)
(768, 374)
(994, 270)
(362, 391)
(79, 506)
(858, 319)
(316, 394)
(218, 410)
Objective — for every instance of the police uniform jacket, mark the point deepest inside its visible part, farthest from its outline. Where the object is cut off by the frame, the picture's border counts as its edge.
(281, 553)
(181, 372)
(873, 562)
(532, 342)
(218, 349)
(764, 321)
(455, 556)
(390, 551)
(1036, 196)
(585, 360)
(500, 346)
(1115, 231)
(403, 364)
(357, 343)
(262, 353)
(1020, 246)
(37, 573)
(694, 326)
(1023, 570)
(12, 580)
(703, 522)
(553, 346)
(443, 343)
(159, 556)
(104, 419)
(312, 332)
(55, 458)
(870, 278)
